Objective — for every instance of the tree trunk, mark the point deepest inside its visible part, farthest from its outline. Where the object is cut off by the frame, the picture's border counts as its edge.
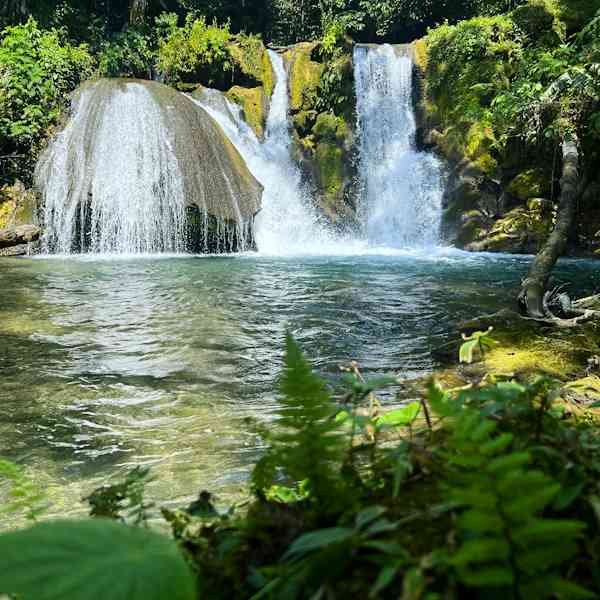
(14, 9)
(533, 288)
(137, 11)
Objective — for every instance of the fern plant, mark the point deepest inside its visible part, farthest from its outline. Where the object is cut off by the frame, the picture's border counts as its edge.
(307, 445)
(506, 541)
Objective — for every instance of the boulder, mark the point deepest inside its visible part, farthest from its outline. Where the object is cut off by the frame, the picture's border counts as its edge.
(16, 235)
(133, 143)
(19, 231)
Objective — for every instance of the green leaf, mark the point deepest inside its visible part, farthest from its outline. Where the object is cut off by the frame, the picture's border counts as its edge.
(385, 578)
(488, 577)
(401, 417)
(467, 350)
(316, 540)
(368, 515)
(92, 560)
(391, 548)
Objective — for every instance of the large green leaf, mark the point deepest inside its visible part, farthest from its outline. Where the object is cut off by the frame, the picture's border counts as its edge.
(92, 560)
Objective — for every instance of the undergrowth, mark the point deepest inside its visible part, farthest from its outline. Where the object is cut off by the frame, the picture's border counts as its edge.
(488, 491)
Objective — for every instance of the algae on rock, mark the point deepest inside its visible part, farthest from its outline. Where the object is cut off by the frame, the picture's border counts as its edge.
(19, 226)
(324, 134)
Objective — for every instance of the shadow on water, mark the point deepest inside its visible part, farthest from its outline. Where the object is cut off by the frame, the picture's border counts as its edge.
(109, 364)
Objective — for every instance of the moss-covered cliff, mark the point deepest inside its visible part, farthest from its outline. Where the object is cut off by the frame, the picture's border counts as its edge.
(484, 107)
(18, 220)
(253, 88)
(322, 105)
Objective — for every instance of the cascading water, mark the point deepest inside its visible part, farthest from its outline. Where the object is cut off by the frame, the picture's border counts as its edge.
(140, 168)
(138, 199)
(288, 222)
(401, 187)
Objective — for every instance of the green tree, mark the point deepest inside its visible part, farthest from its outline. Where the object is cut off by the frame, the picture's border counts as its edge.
(37, 72)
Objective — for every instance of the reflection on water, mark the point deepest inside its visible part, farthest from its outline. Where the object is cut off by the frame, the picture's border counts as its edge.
(109, 364)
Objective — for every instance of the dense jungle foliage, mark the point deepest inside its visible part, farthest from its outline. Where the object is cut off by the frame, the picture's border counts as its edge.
(504, 92)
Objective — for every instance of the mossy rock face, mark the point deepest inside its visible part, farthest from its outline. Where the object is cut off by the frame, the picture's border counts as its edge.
(252, 67)
(528, 184)
(332, 140)
(325, 139)
(304, 122)
(304, 76)
(521, 230)
(18, 206)
(533, 355)
(473, 227)
(330, 128)
(329, 159)
(268, 76)
(420, 55)
(254, 105)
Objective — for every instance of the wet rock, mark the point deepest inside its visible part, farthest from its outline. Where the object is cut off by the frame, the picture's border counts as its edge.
(18, 235)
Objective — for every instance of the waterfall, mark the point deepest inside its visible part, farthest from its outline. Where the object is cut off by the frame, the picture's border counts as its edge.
(401, 187)
(288, 223)
(139, 168)
(111, 153)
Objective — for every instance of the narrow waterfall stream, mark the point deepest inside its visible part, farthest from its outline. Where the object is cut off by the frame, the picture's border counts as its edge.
(401, 187)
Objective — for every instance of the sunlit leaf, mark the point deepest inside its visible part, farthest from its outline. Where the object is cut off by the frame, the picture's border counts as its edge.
(401, 417)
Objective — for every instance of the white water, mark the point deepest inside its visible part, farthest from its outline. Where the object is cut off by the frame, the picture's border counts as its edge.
(118, 152)
(288, 223)
(401, 188)
(139, 199)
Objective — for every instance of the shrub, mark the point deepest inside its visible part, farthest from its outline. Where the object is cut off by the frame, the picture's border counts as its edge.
(196, 52)
(128, 54)
(37, 72)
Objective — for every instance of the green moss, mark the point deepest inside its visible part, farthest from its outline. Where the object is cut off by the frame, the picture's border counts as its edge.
(330, 128)
(421, 56)
(478, 140)
(522, 229)
(540, 355)
(18, 205)
(304, 76)
(7, 209)
(330, 166)
(487, 164)
(528, 184)
(252, 101)
(304, 122)
(268, 77)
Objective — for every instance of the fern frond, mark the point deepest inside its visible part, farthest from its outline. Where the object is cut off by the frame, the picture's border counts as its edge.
(307, 445)
(507, 543)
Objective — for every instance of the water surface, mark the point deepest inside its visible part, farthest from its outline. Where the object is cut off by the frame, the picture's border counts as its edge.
(106, 364)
